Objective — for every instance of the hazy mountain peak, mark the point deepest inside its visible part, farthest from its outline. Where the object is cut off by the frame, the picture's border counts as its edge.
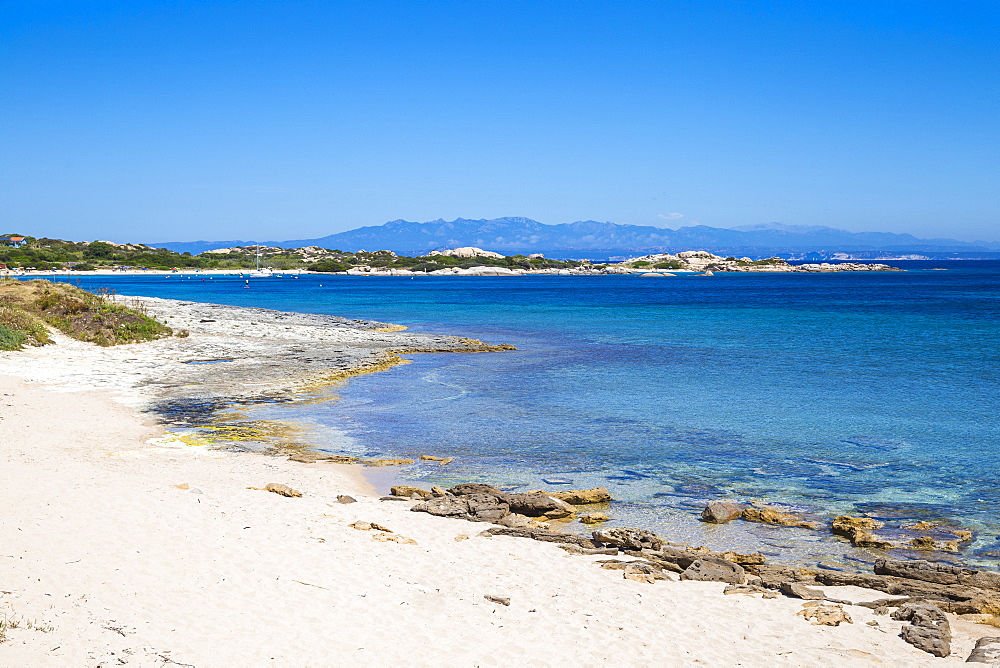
(594, 239)
(781, 227)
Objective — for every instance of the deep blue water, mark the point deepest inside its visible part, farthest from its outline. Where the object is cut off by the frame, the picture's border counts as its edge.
(831, 392)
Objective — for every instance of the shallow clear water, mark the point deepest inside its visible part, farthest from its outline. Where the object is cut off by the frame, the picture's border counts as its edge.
(827, 391)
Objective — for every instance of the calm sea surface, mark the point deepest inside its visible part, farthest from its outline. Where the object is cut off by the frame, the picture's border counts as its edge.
(833, 393)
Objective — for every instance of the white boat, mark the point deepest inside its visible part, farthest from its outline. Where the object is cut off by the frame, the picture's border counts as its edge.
(258, 272)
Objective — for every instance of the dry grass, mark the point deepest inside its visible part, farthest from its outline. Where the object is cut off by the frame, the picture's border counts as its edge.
(28, 307)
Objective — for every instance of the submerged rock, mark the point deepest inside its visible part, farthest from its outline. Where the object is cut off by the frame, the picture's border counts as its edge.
(386, 462)
(594, 518)
(721, 511)
(859, 531)
(583, 497)
(767, 515)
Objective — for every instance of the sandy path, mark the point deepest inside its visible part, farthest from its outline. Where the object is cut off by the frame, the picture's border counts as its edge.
(117, 566)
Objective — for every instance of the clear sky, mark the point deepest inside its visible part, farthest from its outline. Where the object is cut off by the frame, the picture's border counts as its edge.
(262, 119)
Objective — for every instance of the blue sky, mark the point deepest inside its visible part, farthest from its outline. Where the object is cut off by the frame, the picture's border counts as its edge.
(156, 121)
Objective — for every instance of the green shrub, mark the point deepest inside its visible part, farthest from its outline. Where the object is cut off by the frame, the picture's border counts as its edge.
(19, 321)
(328, 266)
(669, 264)
(27, 306)
(11, 340)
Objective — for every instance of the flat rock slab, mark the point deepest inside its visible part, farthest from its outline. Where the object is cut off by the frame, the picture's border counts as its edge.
(856, 595)
(987, 651)
(233, 353)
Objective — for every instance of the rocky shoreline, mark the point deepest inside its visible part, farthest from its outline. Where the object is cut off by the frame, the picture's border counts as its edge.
(223, 354)
(648, 265)
(920, 591)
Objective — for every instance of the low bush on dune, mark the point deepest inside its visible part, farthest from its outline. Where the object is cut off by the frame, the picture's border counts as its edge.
(11, 339)
(18, 327)
(26, 307)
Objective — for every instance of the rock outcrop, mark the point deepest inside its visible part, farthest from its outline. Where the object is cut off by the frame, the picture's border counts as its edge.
(987, 651)
(824, 615)
(629, 539)
(714, 569)
(945, 574)
(721, 511)
(537, 505)
(545, 536)
(583, 497)
(768, 515)
(928, 629)
(474, 488)
(801, 590)
(859, 530)
(409, 490)
(473, 507)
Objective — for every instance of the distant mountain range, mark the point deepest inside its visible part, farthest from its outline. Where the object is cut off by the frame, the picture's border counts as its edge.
(594, 240)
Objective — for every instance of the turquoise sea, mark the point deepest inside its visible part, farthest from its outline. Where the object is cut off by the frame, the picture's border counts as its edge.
(831, 393)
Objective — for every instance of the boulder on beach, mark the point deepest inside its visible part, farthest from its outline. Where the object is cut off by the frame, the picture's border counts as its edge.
(714, 569)
(824, 615)
(928, 630)
(537, 505)
(801, 590)
(987, 651)
(474, 488)
(473, 507)
(278, 488)
(544, 535)
(629, 538)
(483, 507)
(721, 511)
(409, 490)
(518, 521)
(938, 573)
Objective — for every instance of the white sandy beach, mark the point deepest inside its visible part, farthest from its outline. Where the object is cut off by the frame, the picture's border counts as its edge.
(120, 547)
(105, 561)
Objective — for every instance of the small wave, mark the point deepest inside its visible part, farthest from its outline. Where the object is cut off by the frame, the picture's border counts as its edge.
(876, 443)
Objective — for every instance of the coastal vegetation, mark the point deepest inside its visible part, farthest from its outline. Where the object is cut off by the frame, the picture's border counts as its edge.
(29, 308)
(46, 254)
